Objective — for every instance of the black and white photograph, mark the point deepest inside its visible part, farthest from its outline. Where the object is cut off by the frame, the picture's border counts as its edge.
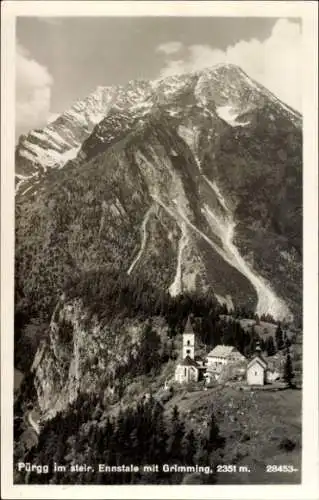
(158, 267)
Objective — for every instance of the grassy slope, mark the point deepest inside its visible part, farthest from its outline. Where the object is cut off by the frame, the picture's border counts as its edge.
(254, 423)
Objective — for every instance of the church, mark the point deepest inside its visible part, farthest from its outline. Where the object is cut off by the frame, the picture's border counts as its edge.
(189, 368)
(257, 369)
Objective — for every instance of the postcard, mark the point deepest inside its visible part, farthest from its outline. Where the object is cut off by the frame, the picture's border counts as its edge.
(159, 250)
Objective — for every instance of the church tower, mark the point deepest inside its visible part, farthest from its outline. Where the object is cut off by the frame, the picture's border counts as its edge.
(188, 341)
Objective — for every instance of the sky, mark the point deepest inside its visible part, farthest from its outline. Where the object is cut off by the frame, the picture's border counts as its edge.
(59, 60)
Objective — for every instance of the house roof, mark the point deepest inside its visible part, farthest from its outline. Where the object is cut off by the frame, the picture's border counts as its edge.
(259, 360)
(199, 358)
(188, 361)
(222, 351)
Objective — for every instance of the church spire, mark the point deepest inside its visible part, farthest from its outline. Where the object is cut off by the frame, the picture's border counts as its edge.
(188, 327)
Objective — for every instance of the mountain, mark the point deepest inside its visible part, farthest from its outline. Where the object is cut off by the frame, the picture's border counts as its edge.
(61, 140)
(193, 182)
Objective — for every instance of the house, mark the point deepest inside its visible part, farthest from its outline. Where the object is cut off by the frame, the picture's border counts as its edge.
(257, 369)
(188, 369)
(222, 355)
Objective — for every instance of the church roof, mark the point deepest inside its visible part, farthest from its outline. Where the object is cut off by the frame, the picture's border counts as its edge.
(188, 361)
(259, 360)
(222, 351)
(188, 327)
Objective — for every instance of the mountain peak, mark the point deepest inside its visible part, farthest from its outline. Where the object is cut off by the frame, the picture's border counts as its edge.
(223, 85)
(225, 66)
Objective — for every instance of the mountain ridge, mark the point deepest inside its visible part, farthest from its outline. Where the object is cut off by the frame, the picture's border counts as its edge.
(199, 188)
(77, 123)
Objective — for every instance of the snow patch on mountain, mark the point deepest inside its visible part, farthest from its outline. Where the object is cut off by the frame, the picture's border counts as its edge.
(143, 106)
(229, 115)
(23, 177)
(70, 155)
(171, 85)
(173, 112)
(28, 156)
(50, 157)
(61, 140)
(46, 138)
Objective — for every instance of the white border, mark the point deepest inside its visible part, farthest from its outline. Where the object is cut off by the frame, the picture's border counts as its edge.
(309, 489)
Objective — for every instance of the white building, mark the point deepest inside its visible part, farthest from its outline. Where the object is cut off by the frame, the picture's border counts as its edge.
(222, 355)
(188, 341)
(187, 370)
(256, 369)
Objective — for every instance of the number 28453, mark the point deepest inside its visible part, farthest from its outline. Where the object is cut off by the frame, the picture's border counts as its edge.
(280, 468)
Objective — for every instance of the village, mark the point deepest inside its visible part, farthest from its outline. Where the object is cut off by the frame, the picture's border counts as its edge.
(249, 395)
(224, 363)
(193, 368)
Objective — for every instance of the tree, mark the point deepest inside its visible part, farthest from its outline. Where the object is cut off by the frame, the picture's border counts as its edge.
(159, 434)
(224, 309)
(287, 341)
(202, 455)
(279, 337)
(149, 350)
(270, 346)
(262, 344)
(176, 435)
(189, 447)
(288, 371)
(215, 440)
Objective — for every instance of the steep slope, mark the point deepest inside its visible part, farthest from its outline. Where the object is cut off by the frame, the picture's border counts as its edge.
(81, 356)
(193, 181)
(61, 140)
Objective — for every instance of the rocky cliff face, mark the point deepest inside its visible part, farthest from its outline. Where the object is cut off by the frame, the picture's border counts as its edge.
(81, 355)
(194, 182)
